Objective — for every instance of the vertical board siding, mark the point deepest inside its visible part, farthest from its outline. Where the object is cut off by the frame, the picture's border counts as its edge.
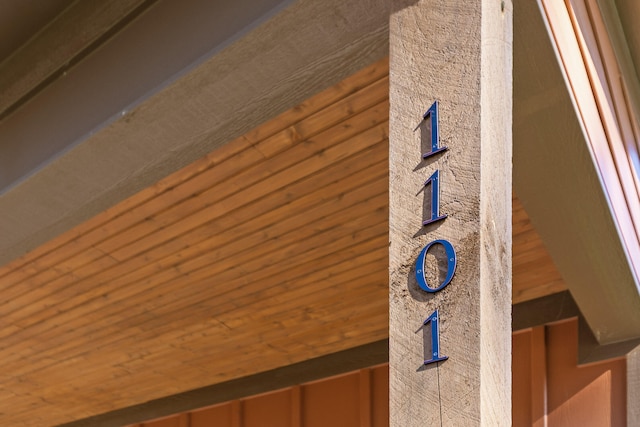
(380, 397)
(268, 410)
(521, 378)
(332, 403)
(551, 390)
(217, 415)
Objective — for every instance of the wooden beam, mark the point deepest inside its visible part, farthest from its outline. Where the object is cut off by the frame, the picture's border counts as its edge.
(460, 55)
(70, 37)
(540, 311)
(557, 181)
(590, 350)
(174, 112)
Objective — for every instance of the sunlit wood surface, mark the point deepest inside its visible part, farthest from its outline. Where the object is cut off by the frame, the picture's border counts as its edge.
(269, 251)
(534, 274)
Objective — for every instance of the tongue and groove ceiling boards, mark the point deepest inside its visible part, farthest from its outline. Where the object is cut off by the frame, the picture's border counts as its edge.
(235, 220)
(268, 251)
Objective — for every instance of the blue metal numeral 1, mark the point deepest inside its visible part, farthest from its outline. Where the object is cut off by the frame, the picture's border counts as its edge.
(435, 339)
(432, 113)
(451, 266)
(434, 182)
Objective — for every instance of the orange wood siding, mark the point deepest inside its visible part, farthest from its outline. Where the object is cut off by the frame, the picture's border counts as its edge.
(356, 399)
(549, 389)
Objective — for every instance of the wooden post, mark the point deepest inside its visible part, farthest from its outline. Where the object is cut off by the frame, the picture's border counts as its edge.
(459, 54)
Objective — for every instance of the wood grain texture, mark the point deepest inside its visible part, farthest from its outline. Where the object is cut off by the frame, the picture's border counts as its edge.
(199, 402)
(264, 402)
(255, 256)
(460, 55)
(203, 109)
(534, 273)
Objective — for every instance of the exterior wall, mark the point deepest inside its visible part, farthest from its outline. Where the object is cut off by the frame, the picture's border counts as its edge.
(551, 390)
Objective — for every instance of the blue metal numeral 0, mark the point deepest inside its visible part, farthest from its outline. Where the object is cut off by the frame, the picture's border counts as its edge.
(432, 113)
(451, 266)
(434, 181)
(435, 339)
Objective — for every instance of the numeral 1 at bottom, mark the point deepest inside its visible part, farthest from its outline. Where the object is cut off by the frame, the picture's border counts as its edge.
(435, 339)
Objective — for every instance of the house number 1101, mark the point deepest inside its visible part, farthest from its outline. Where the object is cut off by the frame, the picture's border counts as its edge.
(434, 185)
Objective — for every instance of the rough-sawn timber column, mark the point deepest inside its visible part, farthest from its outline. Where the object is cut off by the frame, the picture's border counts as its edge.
(459, 54)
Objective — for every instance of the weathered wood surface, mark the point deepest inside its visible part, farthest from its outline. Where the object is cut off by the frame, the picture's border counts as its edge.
(460, 54)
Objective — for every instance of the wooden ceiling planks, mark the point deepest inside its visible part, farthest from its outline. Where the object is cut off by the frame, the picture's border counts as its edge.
(155, 267)
(534, 273)
(269, 250)
(257, 256)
